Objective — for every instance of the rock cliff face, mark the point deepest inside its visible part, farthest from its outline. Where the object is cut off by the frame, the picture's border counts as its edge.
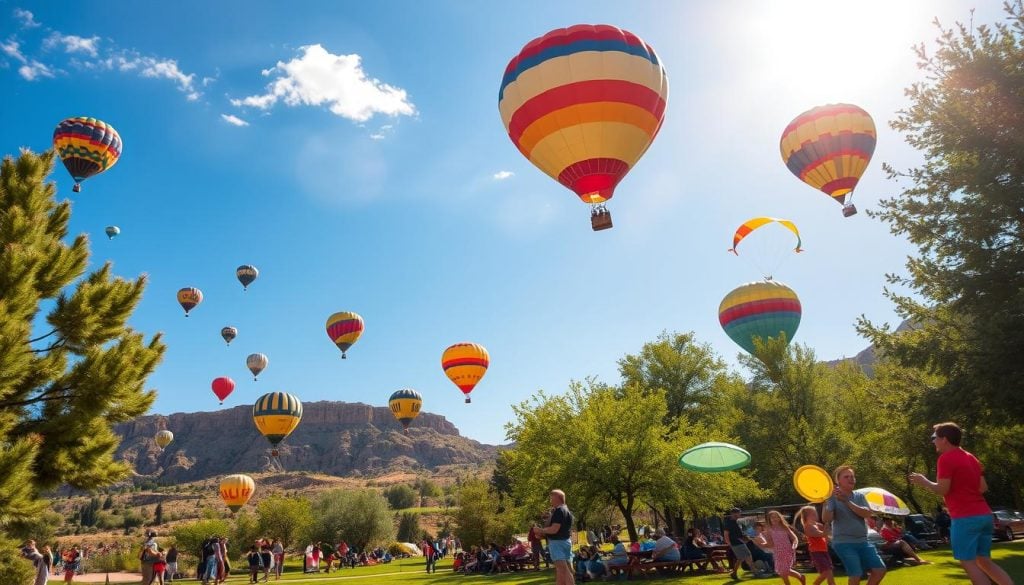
(336, 438)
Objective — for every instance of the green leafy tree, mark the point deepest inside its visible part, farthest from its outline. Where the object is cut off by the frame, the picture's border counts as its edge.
(70, 367)
(245, 530)
(284, 518)
(408, 527)
(426, 489)
(109, 502)
(478, 519)
(158, 515)
(189, 537)
(359, 517)
(401, 496)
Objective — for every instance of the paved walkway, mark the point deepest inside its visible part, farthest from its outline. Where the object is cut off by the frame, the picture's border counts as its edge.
(101, 578)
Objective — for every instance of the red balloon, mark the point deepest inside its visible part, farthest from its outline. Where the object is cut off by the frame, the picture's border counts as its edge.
(222, 387)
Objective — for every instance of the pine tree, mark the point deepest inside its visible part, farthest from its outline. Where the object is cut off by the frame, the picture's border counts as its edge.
(158, 515)
(70, 367)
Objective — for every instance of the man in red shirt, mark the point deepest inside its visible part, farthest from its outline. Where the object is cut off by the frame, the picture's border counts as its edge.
(960, 482)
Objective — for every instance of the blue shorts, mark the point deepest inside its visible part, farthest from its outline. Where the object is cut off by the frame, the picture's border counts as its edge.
(858, 557)
(560, 550)
(971, 537)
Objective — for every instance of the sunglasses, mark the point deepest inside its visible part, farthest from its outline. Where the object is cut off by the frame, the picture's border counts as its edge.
(934, 436)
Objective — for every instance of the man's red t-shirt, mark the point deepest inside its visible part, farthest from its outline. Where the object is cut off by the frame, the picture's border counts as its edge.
(964, 471)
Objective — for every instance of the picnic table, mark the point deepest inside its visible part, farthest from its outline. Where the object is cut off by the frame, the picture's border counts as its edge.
(641, 563)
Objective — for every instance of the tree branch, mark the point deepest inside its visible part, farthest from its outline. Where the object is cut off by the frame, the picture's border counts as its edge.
(42, 337)
(46, 396)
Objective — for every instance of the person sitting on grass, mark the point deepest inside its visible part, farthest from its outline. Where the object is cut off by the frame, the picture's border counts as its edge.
(457, 562)
(581, 559)
(619, 556)
(896, 546)
(494, 556)
(597, 567)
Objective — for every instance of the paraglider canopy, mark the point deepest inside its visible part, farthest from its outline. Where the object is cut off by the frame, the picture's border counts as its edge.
(714, 457)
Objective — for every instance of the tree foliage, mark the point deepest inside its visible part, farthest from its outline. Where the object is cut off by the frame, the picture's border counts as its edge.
(401, 496)
(70, 366)
(409, 527)
(478, 519)
(359, 517)
(189, 536)
(283, 518)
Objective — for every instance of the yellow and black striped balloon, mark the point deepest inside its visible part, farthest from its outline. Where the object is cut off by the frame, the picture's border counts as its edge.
(405, 405)
(276, 415)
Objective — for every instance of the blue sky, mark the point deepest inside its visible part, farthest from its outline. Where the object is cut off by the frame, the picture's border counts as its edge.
(354, 154)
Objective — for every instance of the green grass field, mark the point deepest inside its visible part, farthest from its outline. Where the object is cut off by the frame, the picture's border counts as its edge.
(943, 570)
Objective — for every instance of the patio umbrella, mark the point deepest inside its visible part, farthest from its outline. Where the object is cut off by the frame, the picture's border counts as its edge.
(714, 457)
(884, 501)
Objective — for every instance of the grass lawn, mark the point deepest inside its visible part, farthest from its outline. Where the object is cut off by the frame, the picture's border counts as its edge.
(943, 570)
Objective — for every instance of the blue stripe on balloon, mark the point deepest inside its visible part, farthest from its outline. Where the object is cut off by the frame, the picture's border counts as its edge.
(569, 49)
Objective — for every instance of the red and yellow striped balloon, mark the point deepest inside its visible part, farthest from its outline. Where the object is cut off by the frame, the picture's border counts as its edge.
(829, 147)
(344, 328)
(583, 104)
(465, 364)
(87, 147)
(759, 310)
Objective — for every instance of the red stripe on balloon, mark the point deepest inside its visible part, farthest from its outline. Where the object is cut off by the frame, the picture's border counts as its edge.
(465, 362)
(758, 308)
(823, 113)
(594, 175)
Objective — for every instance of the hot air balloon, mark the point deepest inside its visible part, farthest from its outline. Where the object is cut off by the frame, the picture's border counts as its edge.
(236, 490)
(189, 297)
(344, 329)
(163, 438)
(276, 415)
(87, 147)
(829, 147)
(465, 364)
(246, 274)
(112, 231)
(759, 309)
(256, 363)
(228, 333)
(222, 387)
(772, 240)
(583, 104)
(405, 405)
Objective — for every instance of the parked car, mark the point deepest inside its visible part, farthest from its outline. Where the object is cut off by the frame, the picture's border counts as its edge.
(923, 528)
(1008, 524)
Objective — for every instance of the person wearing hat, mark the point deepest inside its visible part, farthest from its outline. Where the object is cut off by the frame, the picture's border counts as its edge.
(665, 549)
(737, 541)
(30, 552)
(148, 557)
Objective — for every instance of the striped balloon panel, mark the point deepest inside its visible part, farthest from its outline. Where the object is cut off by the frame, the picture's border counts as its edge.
(235, 490)
(344, 329)
(829, 147)
(189, 297)
(405, 405)
(465, 364)
(246, 274)
(87, 146)
(276, 415)
(583, 104)
(759, 309)
(164, 438)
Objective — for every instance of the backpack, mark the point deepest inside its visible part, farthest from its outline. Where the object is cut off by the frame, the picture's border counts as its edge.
(210, 549)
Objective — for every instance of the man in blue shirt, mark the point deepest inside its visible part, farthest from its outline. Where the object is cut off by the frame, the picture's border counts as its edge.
(847, 513)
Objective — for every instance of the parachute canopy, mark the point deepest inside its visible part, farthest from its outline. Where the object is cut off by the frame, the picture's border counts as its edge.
(465, 364)
(752, 224)
(759, 309)
(87, 147)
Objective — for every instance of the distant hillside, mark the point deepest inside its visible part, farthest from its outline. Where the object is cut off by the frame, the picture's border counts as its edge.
(867, 357)
(335, 438)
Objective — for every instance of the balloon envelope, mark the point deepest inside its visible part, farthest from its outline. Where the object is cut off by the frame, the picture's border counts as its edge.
(276, 415)
(813, 483)
(86, 146)
(112, 231)
(344, 328)
(256, 362)
(583, 104)
(759, 309)
(189, 297)
(222, 387)
(405, 405)
(229, 334)
(246, 274)
(714, 457)
(235, 490)
(465, 364)
(829, 147)
(163, 438)
(883, 501)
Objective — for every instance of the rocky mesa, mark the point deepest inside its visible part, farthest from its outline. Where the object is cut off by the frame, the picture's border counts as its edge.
(336, 438)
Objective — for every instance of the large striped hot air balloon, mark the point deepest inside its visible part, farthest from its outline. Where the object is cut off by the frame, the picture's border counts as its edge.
(235, 490)
(405, 405)
(344, 328)
(465, 364)
(256, 362)
(759, 309)
(583, 104)
(829, 147)
(87, 147)
(276, 415)
(189, 297)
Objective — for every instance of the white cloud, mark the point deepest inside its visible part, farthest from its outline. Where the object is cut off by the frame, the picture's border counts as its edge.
(164, 69)
(502, 175)
(73, 43)
(233, 120)
(11, 49)
(26, 18)
(318, 77)
(34, 70)
(382, 132)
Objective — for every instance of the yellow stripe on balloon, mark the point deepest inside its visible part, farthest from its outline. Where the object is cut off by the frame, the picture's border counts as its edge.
(570, 145)
(584, 66)
(586, 113)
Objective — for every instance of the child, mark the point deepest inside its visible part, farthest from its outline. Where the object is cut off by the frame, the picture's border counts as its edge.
(255, 563)
(817, 546)
(783, 542)
(159, 565)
